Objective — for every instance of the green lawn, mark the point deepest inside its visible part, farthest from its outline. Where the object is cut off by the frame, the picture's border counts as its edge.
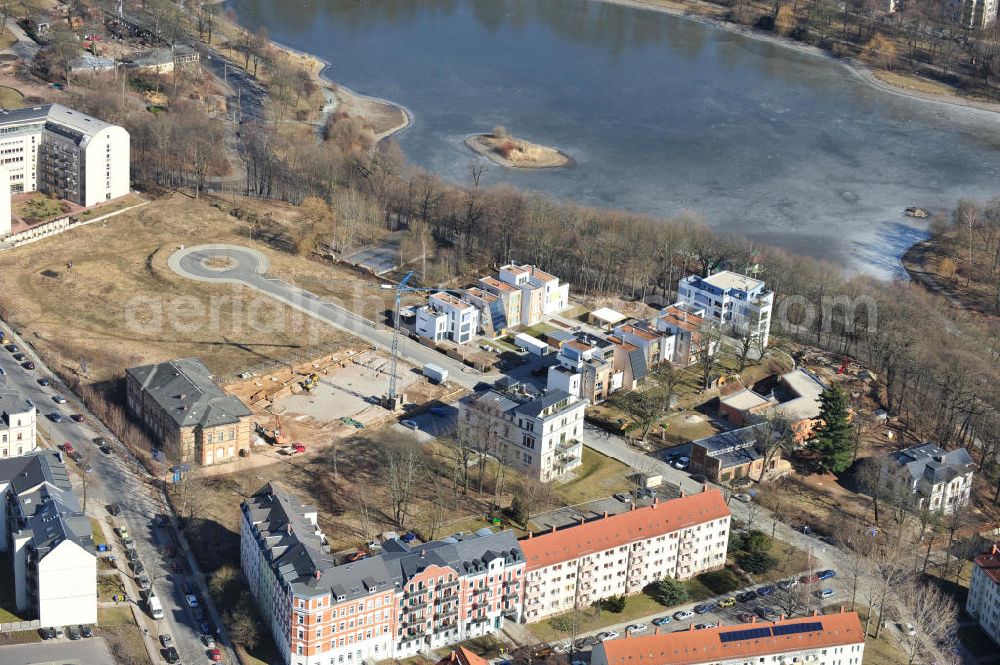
(99, 538)
(597, 477)
(792, 562)
(713, 584)
(38, 208)
(636, 607)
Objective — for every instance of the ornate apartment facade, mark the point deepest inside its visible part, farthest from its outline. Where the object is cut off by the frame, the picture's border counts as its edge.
(575, 566)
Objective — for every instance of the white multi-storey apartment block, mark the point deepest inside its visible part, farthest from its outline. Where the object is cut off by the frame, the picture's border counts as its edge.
(17, 425)
(447, 317)
(406, 600)
(731, 300)
(49, 541)
(983, 602)
(575, 566)
(541, 293)
(538, 434)
(940, 480)
(831, 639)
(65, 153)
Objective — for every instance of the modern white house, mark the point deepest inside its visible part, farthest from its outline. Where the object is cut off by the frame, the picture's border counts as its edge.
(938, 479)
(49, 541)
(829, 639)
(446, 317)
(586, 368)
(542, 295)
(64, 153)
(983, 602)
(731, 300)
(538, 434)
(17, 425)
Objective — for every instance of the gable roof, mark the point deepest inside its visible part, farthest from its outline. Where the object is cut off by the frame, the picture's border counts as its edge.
(462, 656)
(727, 643)
(185, 391)
(638, 524)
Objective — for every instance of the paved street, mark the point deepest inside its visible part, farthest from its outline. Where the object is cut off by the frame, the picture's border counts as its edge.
(115, 478)
(250, 268)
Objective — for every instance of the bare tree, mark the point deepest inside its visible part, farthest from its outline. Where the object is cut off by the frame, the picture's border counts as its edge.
(403, 470)
(933, 615)
(708, 354)
(773, 435)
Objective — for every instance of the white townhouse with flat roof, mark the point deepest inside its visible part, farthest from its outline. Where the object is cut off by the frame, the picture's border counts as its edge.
(730, 300)
(447, 317)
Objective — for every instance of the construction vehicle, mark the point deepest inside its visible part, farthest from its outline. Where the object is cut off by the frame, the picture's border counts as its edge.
(310, 382)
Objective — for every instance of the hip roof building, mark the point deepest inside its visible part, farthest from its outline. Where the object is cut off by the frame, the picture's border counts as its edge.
(938, 479)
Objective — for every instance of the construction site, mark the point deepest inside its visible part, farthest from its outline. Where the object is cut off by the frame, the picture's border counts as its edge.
(334, 396)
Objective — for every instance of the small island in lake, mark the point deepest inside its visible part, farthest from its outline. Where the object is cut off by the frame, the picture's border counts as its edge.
(501, 148)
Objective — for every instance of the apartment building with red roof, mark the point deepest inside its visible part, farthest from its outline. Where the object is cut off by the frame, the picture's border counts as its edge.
(578, 565)
(831, 639)
(983, 602)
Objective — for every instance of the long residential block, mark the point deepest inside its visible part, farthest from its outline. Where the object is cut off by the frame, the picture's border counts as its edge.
(983, 602)
(831, 639)
(575, 566)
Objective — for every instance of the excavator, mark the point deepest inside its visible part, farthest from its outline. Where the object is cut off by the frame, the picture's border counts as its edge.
(275, 436)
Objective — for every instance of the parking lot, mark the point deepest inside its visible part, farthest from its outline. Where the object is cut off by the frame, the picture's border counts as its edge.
(62, 652)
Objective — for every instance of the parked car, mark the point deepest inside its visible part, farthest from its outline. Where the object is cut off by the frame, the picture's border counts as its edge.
(43, 381)
(607, 635)
(766, 590)
(137, 567)
(72, 632)
(20, 357)
(58, 399)
(46, 633)
(115, 509)
(826, 574)
(585, 642)
(28, 365)
(58, 631)
(636, 628)
(105, 448)
(624, 497)
(166, 640)
(703, 626)
(122, 532)
(746, 617)
(12, 348)
(683, 615)
(192, 600)
(206, 628)
(746, 597)
(826, 593)
(682, 462)
(785, 585)
(727, 602)
(744, 497)
(143, 582)
(76, 417)
(214, 655)
(209, 641)
(170, 655)
(410, 424)
(660, 621)
(811, 578)
(86, 631)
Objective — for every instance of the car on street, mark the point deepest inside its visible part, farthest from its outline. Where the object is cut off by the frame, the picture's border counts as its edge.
(746, 617)
(704, 608)
(636, 628)
(138, 568)
(170, 655)
(205, 628)
(624, 497)
(585, 642)
(115, 509)
(86, 631)
(59, 631)
(561, 648)
(811, 578)
(188, 588)
(192, 600)
(826, 574)
(28, 365)
(746, 597)
(106, 449)
(43, 381)
(166, 640)
(56, 417)
(785, 585)
(72, 632)
(214, 655)
(660, 621)
(143, 582)
(46, 633)
(58, 399)
(20, 357)
(607, 635)
(766, 590)
(12, 348)
(76, 417)
(209, 641)
(122, 532)
(703, 626)
(727, 602)
(826, 593)
(764, 612)
(743, 497)
(683, 615)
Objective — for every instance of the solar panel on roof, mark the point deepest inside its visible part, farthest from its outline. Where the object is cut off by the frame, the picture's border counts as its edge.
(745, 634)
(795, 628)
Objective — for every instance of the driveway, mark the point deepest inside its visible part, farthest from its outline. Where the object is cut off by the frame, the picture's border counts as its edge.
(248, 267)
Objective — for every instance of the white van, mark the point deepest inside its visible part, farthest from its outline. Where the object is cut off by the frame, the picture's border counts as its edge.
(155, 608)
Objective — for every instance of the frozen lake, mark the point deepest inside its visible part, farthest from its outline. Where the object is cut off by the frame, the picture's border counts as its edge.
(660, 113)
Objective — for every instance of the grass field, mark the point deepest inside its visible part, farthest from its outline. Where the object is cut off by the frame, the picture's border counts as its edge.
(636, 607)
(103, 294)
(9, 97)
(597, 477)
(117, 626)
(99, 538)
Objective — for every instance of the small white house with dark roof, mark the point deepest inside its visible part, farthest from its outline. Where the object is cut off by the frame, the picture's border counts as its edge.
(937, 479)
(188, 414)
